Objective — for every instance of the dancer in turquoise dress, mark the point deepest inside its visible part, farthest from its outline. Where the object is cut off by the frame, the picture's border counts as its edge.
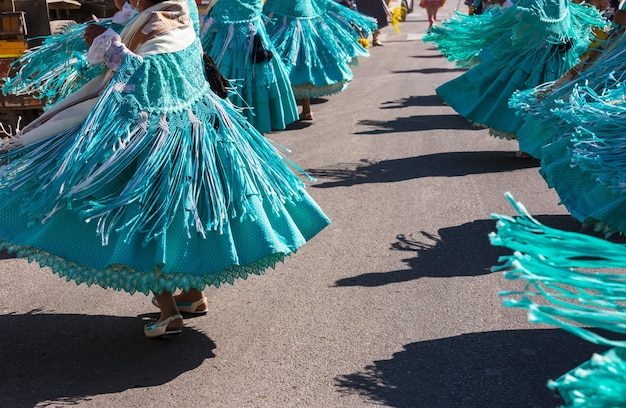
(586, 166)
(540, 107)
(565, 285)
(233, 35)
(318, 41)
(573, 127)
(462, 37)
(546, 41)
(145, 181)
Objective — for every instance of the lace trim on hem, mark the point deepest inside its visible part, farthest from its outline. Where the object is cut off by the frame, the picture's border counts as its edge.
(500, 134)
(125, 278)
(313, 91)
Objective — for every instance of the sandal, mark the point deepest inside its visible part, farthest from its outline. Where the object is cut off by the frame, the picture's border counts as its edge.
(156, 330)
(189, 307)
(306, 116)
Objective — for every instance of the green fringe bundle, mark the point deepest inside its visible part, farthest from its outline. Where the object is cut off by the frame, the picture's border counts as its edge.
(462, 37)
(58, 67)
(564, 287)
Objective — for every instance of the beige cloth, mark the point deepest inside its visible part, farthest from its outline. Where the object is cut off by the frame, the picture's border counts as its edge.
(162, 28)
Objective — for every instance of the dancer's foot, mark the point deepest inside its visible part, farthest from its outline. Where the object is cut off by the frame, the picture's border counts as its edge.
(523, 155)
(164, 327)
(306, 116)
(192, 301)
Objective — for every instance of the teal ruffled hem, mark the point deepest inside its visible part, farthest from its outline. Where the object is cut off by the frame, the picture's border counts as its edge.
(124, 278)
(312, 91)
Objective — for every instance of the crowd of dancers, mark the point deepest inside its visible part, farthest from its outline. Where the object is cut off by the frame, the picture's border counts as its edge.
(551, 74)
(150, 159)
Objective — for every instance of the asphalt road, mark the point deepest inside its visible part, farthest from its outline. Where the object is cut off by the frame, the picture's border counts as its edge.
(393, 304)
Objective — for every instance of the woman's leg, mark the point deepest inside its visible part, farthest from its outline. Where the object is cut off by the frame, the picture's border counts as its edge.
(306, 110)
(191, 296)
(167, 304)
(376, 38)
(169, 323)
(429, 14)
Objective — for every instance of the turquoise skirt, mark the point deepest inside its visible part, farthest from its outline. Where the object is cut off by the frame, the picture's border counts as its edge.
(318, 50)
(542, 107)
(261, 89)
(164, 186)
(536, 52)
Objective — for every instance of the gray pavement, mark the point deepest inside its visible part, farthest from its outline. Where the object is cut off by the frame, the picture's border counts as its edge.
(393, 304)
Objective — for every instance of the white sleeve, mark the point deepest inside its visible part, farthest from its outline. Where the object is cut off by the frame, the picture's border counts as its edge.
(108, 48)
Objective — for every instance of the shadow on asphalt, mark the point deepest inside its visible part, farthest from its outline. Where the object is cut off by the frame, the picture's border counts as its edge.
(416, 123)
(64, 359)
(462, 250)
(416, 100)
(5, 255)
(446, 164)
(298, 125)
(428, 56)
(507, 368)
(430, 71)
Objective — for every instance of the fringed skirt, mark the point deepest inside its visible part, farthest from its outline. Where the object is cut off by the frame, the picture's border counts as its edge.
(541, 107)
(462, 37)
(568, 281)
(151, 196)
(587, 168)
(482, 94)
(318, 51)
(261, 87)
(535, 55)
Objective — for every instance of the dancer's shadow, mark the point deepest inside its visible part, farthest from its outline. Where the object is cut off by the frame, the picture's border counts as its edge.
(298, 125)
(446, 164)
(416, 123)
(430, 71)
(317, 101)
(462, 250)
(507, 368)
(63, 359)
(416, 100)
(428, 56)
